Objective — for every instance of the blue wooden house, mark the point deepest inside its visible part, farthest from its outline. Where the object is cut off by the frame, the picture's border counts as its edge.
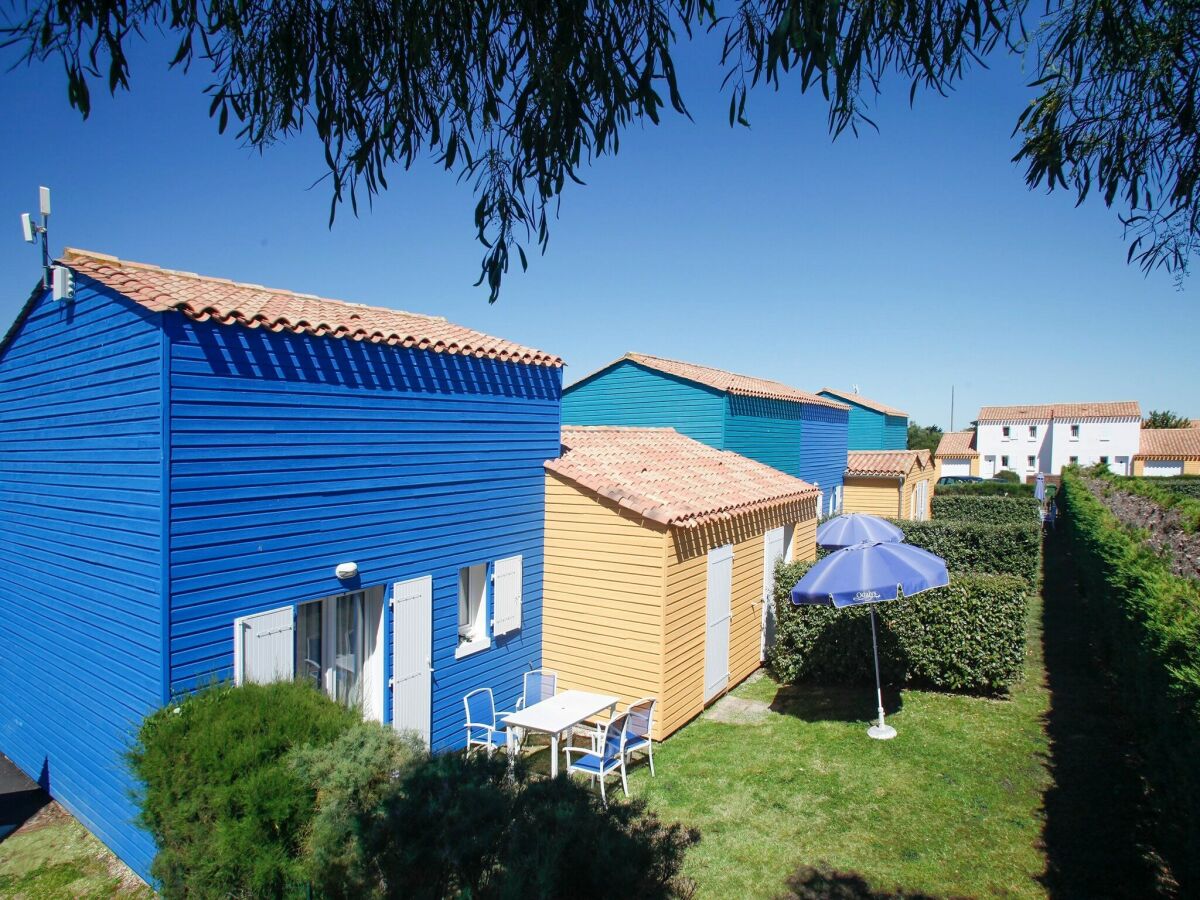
(873, 425)
(799, 433)
(203, 479)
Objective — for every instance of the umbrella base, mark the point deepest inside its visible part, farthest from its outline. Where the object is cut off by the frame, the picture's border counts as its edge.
(882, 732)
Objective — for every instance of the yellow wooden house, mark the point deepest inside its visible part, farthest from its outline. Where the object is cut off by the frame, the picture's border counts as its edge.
(660, 553)
(956, 454)
(894, 483)
(1168, 451)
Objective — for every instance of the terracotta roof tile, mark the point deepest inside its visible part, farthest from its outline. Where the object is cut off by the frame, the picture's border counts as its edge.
(669, 478)
(851, 397)
(884, 463)
(957, 444)
(227, 302)
(1169, 443)
(1109, 410)
(730, 382)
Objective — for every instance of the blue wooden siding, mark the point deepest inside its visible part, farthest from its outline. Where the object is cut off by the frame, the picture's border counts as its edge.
(80, 543)
(291, 454)
(895, 433)
(629, 394)
(824, 441)
(769, 431)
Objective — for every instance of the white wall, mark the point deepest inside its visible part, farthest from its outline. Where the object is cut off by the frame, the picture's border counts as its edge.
(1114, 438)
(1018, 447)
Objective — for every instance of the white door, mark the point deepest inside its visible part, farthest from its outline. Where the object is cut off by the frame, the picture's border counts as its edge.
(1121, 466)
(775, 545)
(1163, 468)
(956, 467)
(412, 660)
(989, 467)
(718, 603)
(263, 648)
(920, 500)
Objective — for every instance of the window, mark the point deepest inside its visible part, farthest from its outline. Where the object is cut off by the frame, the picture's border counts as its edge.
(1074, 432)
(472, 608)
(1074, 461)
(1104, 460)
(1004, 462)
(1031, 462)
(339, 648)
(1033, 432)
(1005, 432)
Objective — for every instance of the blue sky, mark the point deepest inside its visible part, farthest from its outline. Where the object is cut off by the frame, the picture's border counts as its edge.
(905, 261)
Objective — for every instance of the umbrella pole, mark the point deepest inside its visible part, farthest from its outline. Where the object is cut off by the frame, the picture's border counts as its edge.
(880, 731)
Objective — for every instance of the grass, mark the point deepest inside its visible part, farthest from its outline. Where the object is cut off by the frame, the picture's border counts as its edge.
(61, 859)
(952, 806)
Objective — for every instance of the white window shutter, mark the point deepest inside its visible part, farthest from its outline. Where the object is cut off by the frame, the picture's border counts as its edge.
(264, 646)
(506, 595)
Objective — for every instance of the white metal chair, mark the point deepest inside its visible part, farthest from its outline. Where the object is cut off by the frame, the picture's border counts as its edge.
(639, 731)
(609, 757)
(483, 722)
(536, 686)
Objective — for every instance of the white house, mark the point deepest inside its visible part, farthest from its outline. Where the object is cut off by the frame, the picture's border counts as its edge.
(1046, 437)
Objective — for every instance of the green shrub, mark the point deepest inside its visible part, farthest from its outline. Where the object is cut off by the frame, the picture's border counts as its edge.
(1181, 488)
(984, 489)
(973, 547)
(227, 811)
(968, 637)
(1156, 489)
(457, 826)
(1007, 475)
(1150, 623)
(355, 772)
(990, 510)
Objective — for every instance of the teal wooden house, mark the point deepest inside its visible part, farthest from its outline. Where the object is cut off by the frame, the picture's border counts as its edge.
(873, 425)
(799, 433)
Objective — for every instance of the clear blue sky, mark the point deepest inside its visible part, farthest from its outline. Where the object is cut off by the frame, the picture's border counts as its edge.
(905, 261)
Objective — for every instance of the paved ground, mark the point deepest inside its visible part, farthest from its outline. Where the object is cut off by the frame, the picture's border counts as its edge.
(20, 797)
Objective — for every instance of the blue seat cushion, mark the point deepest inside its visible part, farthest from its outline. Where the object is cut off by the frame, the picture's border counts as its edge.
(590, 762)
(635, 743)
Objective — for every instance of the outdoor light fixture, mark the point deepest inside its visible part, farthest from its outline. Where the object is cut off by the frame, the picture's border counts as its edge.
(345, 571)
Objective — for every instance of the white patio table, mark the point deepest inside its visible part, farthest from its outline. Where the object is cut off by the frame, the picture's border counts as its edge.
(555, 715)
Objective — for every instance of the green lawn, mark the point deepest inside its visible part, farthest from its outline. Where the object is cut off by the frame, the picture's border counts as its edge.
(61, 859)
(952, 806)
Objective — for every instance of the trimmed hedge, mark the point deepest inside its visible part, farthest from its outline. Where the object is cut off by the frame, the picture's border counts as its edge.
(968, 637)
(985, 489)
(992, 510)
(973, 547)
(1149, 620)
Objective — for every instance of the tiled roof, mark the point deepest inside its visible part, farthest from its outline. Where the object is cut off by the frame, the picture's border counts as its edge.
(730, 382)
(232, 303)
(1113, 410)
(851, 397)
(1170, 443)
(882, 463)
(957, 443)
(669, 478)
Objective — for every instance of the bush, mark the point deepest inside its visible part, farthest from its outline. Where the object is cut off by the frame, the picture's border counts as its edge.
(227, 811)
(973, 547)
(1150, 623)
(355, 772)
(988, 510)
(985, 489)
(1157, 489)
(1181, 488)
(457, 826)
(968, 637)
(1007, 475)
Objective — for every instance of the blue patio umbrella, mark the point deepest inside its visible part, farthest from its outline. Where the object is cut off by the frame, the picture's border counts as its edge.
(871, 572)
(855, 528)
(1039, 487)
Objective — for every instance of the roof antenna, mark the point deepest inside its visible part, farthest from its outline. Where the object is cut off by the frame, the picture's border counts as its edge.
(854, 387)
(60, 278)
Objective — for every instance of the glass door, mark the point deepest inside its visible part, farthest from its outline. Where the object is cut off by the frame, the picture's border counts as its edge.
(339, 648)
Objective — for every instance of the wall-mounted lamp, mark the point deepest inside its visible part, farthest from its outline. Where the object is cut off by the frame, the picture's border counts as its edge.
(345, 571)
